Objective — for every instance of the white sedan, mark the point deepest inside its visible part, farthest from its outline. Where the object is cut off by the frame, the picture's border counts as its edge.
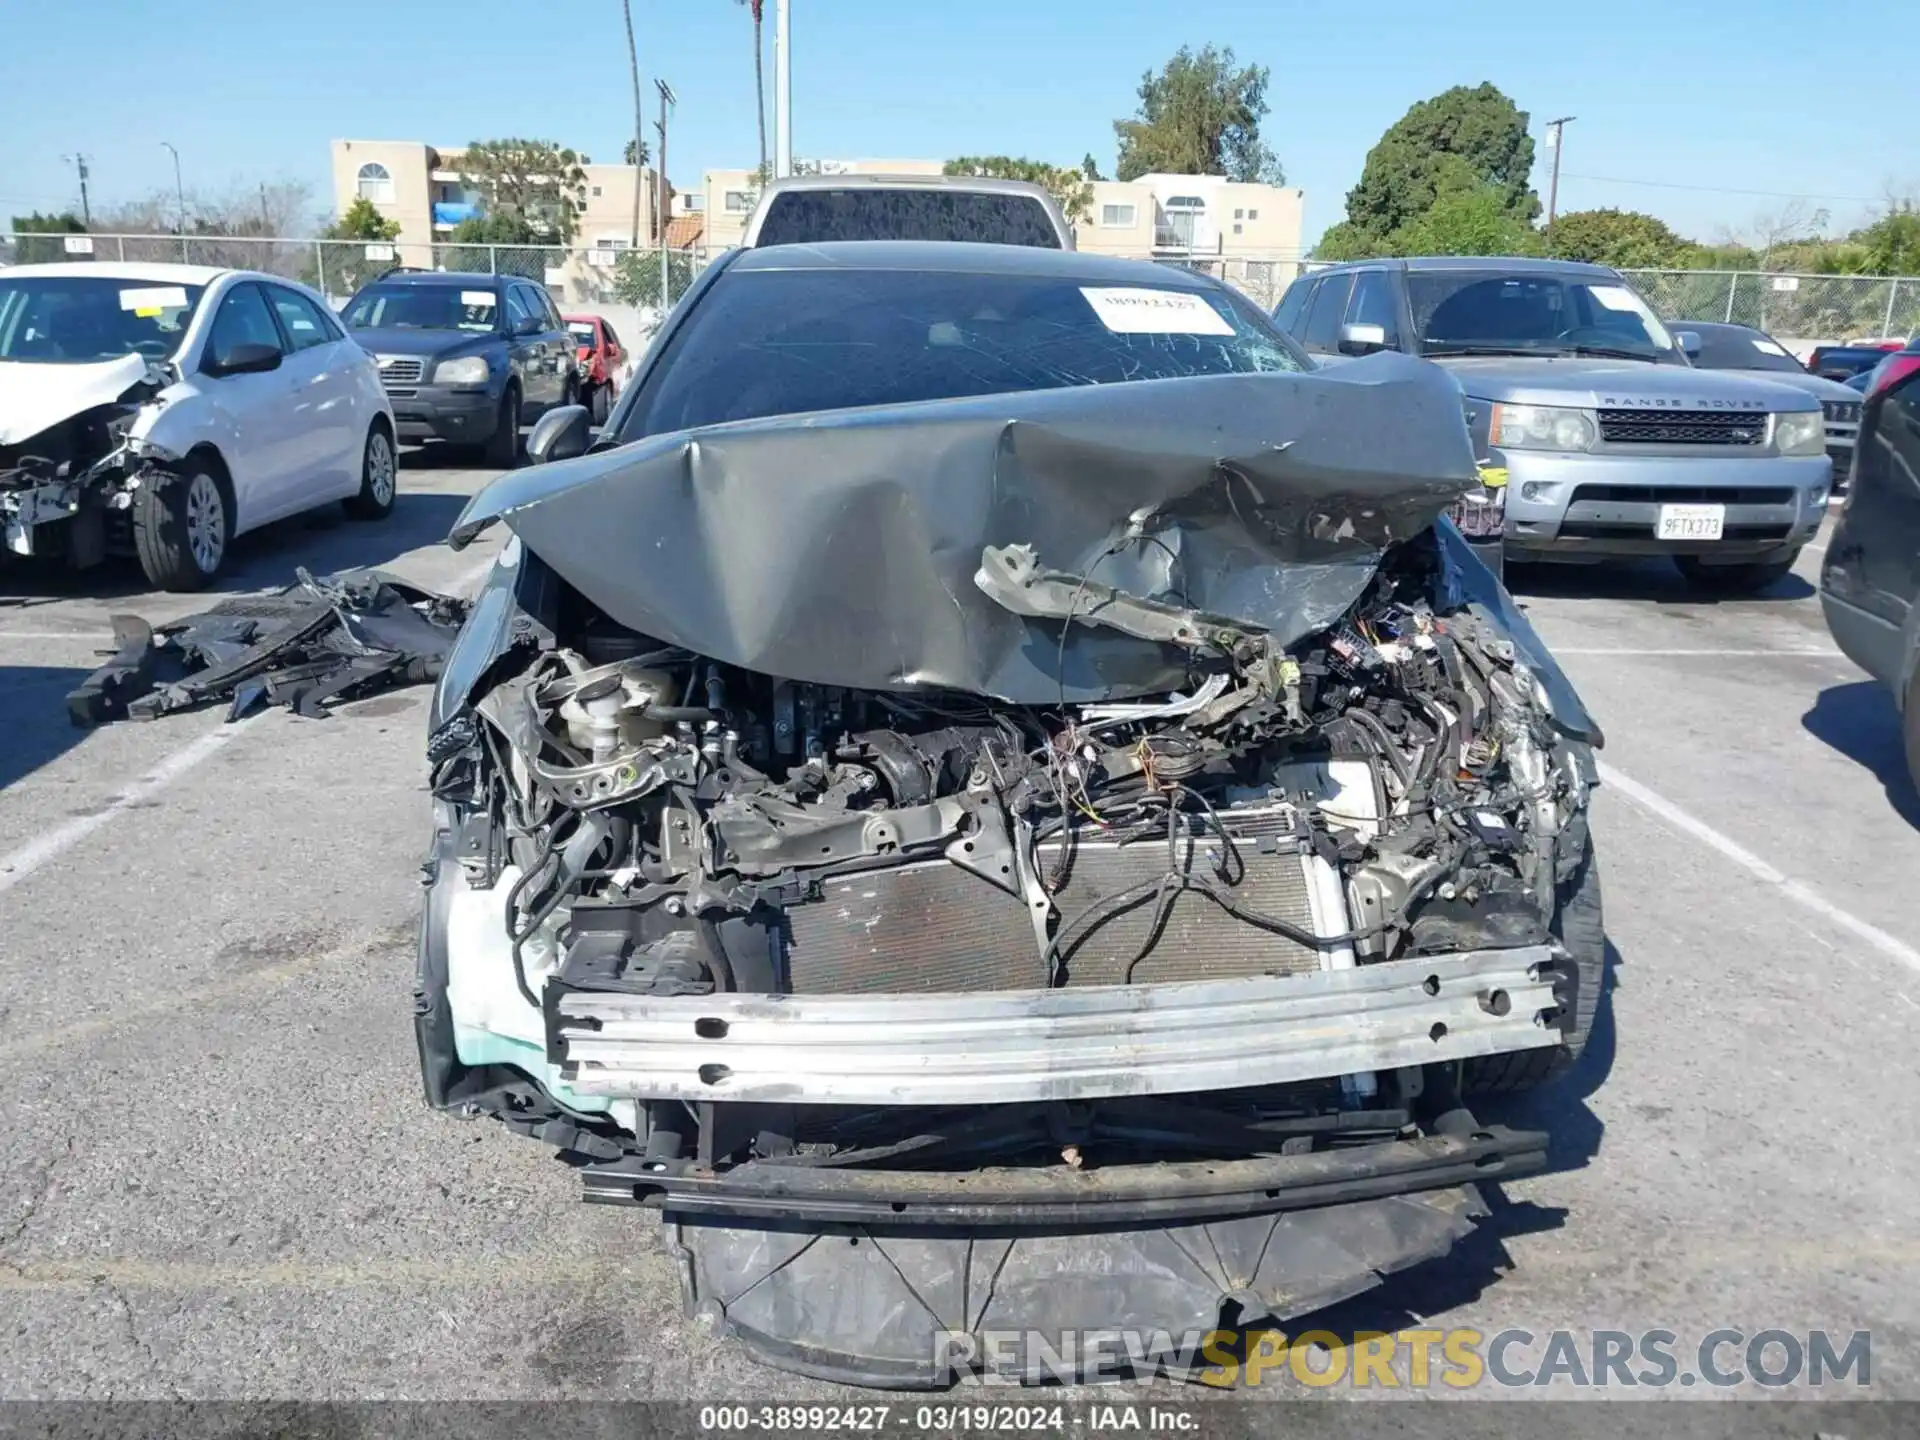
(160, 410)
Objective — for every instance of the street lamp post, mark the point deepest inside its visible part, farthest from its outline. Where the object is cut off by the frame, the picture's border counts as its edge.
(180, 193)
(666, 100)
(782, 92)
(1553, 184)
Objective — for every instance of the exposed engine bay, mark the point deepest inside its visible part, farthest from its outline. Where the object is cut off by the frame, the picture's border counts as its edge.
(1140, 966)
(68, 489)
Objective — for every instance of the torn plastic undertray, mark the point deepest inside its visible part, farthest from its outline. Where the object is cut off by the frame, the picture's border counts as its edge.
(339, 636)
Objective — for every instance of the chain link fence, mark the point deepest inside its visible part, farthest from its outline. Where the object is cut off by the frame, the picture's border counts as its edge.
(1791, 307)
(1800, 307)
(575, 275)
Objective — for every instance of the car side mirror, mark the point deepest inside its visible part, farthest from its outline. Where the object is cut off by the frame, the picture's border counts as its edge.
(527, 325)
(560, 434)
(247, 359)
(1688, 341)
(1362, 339)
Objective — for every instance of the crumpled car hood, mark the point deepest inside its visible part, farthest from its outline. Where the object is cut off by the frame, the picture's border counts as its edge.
(840, 548)
(35, 397)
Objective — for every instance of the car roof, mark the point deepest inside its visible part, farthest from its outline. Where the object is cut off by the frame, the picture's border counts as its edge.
(968, 257)
(469, 279)
(120, 270)
(1719, 327)
(1503, 264)
(985, 184)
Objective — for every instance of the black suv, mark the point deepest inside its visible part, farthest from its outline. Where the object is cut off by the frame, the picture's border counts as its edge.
(1870, 583)
(465, 358)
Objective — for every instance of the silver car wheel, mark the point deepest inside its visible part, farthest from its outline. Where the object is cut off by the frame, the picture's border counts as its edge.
(206, 522)
(380, 469)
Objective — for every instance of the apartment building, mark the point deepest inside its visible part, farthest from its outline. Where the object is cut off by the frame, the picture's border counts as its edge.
(1192, 216)
(420, 186)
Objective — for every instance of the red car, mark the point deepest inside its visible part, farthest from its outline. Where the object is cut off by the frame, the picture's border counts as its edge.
(600, 356)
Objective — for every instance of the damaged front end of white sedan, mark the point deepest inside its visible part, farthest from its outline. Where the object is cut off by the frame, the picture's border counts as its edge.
(74, 453)
(1053, 862)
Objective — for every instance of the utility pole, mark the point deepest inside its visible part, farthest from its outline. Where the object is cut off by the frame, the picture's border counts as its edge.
(660, 219)
(1553, 184)
(79, 163)
(639, 138)
(782, 92)
(179, 191)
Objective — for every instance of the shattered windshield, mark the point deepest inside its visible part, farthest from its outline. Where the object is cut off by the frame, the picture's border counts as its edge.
(1469, 312)
(785, 342)
(77, 319)
(422, 307)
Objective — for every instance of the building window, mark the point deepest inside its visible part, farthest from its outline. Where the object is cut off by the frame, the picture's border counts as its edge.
(1117, 216)
(375, 183)
(696, 202)
(736, 202)
(1236, 227)
(609, 242)
(596, 192)
(1239, 214)
(1253, 214)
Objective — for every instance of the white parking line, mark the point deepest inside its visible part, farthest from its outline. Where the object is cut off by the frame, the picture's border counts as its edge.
(98, 637)
(1805, 896)
(1749, 654)
(55, 842)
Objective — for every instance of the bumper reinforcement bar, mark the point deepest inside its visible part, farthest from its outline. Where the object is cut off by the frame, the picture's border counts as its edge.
(1062, 1044)
(1001, 1199)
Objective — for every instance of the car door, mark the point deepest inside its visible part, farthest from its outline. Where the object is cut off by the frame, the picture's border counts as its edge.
(1879, 536)
(523, 345)
(1320, 328)
(560, 339)
(324, 404)
(247, 413)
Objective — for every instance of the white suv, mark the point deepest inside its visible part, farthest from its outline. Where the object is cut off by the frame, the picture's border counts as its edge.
(160, 410)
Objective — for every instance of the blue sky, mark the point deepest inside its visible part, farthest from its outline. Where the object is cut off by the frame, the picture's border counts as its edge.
(1760, 97)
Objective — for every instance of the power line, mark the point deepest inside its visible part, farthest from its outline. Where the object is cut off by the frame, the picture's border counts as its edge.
(1725, 190)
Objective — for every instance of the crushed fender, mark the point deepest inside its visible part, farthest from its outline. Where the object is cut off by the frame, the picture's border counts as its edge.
(335, 637)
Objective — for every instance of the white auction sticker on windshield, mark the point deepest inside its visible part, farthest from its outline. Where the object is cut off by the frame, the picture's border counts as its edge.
(478, 298)
(1617, 297)
(153, 299)
(1768, 347)
(1128, 310)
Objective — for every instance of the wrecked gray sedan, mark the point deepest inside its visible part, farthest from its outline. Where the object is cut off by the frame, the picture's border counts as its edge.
(998, 801)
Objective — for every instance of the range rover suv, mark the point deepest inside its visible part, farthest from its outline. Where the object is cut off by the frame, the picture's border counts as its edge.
(1591, 426)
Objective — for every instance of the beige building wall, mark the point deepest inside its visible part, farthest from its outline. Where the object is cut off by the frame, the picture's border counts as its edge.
(1208, 218)
(404, 179)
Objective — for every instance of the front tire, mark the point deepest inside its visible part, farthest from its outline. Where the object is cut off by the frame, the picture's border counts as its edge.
(181, 527)
(1747, 579)
(503, 446)
(1580, 928)
(379, 478)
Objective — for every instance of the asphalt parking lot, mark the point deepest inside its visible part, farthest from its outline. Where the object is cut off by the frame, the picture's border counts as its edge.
(217, 1178)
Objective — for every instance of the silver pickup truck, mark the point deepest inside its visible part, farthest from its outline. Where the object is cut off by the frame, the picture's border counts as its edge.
(1598, 439)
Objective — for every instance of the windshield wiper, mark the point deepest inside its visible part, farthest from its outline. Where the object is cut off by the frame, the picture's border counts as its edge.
(1470, 349)
(1615, 352)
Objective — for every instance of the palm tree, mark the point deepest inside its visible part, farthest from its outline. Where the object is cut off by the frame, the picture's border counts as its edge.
(758, 7)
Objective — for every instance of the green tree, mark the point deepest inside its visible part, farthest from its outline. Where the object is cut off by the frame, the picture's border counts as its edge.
(636, 277)
(41, 252)
(1891, 244)
(507, 243)
(533, 185)
(342, 268)
(1199, 116)
(1069, 188)
(1090, 167)
(1626, 238)
(645, 152)
(1468, 221)
(1422, 152)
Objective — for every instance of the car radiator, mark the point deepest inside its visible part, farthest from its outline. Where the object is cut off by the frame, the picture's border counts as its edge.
(932, 927)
